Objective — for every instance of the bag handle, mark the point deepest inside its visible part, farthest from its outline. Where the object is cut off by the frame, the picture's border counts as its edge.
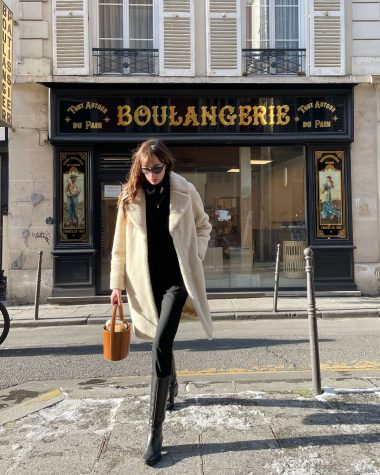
(114, 313)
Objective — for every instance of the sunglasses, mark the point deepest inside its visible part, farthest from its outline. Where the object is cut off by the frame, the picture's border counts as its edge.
(155, 170)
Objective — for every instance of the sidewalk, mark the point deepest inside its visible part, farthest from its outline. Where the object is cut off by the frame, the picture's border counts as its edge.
(221, 309)
(264, 424)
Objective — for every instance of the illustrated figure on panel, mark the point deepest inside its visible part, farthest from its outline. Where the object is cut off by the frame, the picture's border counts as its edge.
(72, 192)
(329, 210)
(160, 241)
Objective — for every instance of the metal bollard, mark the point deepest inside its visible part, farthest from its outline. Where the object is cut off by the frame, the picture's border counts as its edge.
(313, 329)
(38, 286)
(276, 273)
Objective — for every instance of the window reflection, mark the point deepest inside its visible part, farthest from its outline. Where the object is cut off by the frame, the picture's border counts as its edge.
(255, 197)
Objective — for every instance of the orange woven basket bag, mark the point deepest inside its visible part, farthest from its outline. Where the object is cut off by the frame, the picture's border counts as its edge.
(116, 343)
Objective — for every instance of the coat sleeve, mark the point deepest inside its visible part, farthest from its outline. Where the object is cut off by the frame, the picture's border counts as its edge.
(202, 223)
(118, 272)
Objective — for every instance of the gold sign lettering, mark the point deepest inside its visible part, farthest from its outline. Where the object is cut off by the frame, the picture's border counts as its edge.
(282, 117)
(6, 66)
(142, 115)
(193, 116)
(208, 116)
(244, 117)
(124, 116)
(155, 115)
(259, 113)
(173, 113)
(93, 125)
(322, 124)
(227, 119)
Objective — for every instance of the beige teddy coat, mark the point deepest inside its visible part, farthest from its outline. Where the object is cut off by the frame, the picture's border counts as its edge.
(190, 229)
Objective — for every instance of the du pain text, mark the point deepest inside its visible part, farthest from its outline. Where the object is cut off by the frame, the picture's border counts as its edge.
(195, 116)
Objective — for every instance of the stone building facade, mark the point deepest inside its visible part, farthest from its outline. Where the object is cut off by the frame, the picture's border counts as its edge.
(57, 44)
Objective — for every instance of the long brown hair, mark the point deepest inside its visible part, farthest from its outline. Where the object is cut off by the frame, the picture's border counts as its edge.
(136, 178)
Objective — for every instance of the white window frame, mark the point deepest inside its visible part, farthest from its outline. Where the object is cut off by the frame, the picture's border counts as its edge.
(272, 40)
(126, 23)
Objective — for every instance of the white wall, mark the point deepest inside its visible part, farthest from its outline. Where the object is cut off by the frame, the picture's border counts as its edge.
(30, 195)
(365, 37)
(365, 188)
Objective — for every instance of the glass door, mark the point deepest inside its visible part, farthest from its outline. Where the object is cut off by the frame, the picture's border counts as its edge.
(108, 210)
(111, 170)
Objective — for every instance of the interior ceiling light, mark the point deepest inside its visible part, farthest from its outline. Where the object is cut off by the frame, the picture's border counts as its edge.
(233, 170)
(260, 162)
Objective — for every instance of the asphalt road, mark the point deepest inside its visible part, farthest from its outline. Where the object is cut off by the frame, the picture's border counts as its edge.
(74, 352)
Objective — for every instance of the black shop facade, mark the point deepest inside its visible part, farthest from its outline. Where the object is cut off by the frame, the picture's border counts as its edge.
(272, 167)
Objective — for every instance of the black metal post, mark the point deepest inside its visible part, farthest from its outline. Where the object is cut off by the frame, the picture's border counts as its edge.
(313, 329)
(276, 273)
(38, 286)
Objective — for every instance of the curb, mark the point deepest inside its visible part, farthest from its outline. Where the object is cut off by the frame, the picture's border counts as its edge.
(32, 405)
(216, 316)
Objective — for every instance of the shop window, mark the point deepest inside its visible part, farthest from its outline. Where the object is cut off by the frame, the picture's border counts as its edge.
(255, 197)
(125, 37)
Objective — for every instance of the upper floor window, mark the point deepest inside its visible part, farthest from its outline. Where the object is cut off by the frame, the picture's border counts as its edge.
(272, 37)
(125, 27)
(125, 23)
(272, 24)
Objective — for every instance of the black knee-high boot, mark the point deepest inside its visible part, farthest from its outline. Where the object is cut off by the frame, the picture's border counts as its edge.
(158, 399)
(173, 388)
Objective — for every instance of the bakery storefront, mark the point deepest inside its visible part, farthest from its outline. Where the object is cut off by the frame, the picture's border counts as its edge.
(271, 165)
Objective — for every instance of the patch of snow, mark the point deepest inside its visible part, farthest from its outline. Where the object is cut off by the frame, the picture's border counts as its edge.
(72, 410)
(209, 395)
(331, 392)
(69, 416)
(254, 394)
(112, 419)
(301, 461)
(352, 428)
(217, 416)
(366, 467)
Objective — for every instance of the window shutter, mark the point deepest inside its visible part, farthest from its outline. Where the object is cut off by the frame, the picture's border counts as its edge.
(327, 38)
(70, 37)
(177, 38)
(223, 38)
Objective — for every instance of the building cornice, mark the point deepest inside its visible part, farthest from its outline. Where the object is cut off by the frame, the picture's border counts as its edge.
(277, 80)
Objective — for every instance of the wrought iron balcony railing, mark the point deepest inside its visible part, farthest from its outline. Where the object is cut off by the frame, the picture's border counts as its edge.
(274, 61)
(125, 61)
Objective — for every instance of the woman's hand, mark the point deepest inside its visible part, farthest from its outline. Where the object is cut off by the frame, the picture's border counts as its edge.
(116, 297)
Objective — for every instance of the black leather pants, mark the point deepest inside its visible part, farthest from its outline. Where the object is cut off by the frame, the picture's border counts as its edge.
(170, 299)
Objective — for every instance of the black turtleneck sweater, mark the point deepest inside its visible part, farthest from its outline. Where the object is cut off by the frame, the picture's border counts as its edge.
(162, 257)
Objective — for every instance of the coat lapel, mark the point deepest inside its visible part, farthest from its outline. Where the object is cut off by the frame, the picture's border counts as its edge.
(136, 211)
(178, 205)
(179, 200)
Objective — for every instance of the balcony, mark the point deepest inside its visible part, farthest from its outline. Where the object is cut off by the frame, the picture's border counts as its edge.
(125, 61)
(274, 61)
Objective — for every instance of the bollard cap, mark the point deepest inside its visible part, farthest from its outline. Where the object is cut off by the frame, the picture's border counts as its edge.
(308, 252)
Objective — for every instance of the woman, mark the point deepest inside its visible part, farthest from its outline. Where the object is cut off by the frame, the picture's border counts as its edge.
(161, 238)
(329, 210)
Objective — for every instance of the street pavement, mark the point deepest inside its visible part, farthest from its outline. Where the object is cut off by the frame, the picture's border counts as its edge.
(258, 424)
(221, 309)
